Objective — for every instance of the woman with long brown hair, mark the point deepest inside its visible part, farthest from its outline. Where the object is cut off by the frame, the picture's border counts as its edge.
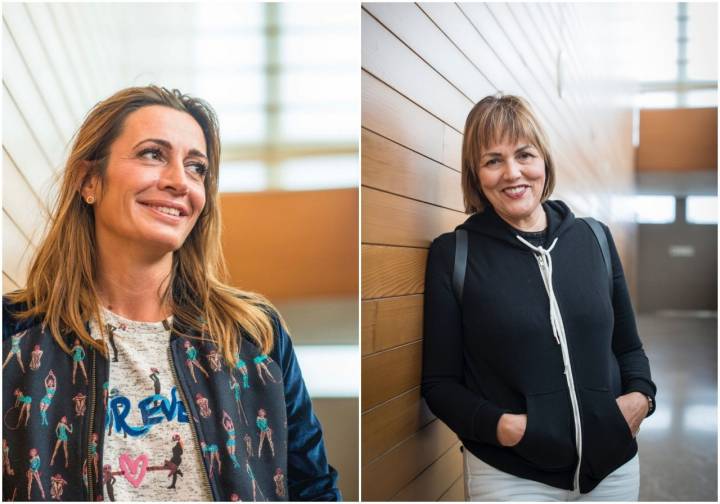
(133, 243)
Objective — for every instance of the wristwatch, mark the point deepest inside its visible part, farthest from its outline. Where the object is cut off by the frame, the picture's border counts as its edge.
(651, 405)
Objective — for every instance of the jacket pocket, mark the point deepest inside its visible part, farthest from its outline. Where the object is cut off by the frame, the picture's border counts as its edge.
(548, 442)
(606, 434)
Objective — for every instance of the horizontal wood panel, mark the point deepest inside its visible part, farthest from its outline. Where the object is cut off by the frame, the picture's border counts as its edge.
(393, 168)
(384, 56)
(387, 374)
(678, 139)
(68, 108)
(456, 493)
(388, 113)
(8, 284)
(24, 90)
(392, 220)
(450, 19)
(389, 474)
(17, 251)
(392, 422)
(21, 203)
(391, 322)
(392, 271)
(433, 482)
(417, 31)
(21, 146)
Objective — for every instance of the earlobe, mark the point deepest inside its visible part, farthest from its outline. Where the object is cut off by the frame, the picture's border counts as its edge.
(88, 188)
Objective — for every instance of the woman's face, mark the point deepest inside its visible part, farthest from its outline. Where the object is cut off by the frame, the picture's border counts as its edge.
(512, 178)
(153, 190)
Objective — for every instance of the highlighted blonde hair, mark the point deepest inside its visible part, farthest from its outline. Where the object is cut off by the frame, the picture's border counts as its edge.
(496, 119)
(61, 287)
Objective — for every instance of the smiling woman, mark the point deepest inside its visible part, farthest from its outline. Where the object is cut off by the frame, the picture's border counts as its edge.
(136, 332)
(531, 353)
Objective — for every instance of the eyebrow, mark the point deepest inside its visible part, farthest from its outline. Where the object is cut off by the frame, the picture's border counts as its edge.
(516, 151)
(168, 145)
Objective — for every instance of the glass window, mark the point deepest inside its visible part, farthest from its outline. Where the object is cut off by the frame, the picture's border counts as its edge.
(654, 42)
(702, 41)
(701, 209)
(242, 176)
(654, 209)
(702, 98)
(319, 172)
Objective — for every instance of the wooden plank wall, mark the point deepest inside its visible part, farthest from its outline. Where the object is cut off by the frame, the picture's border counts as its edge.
(53, 72)
(423, 68)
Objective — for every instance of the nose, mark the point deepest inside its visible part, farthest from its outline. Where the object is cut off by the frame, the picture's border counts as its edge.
(513, 170)
(174, 178)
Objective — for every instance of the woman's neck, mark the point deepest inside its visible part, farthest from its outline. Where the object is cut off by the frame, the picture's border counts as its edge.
(536, 221)
(132, 287)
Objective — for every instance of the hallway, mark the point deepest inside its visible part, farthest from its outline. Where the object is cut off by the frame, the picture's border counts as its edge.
(678, 444)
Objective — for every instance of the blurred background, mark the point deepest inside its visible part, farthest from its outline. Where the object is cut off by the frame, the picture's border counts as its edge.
(283, 79)
(627, 93)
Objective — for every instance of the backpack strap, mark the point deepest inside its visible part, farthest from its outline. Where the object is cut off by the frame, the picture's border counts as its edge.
(604, 247)
(461, 252)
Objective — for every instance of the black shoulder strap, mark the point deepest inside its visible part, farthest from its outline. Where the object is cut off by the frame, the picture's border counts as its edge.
(461, 251)
(604, 247)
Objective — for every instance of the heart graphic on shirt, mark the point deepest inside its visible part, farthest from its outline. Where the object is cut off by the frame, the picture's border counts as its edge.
(134, 470)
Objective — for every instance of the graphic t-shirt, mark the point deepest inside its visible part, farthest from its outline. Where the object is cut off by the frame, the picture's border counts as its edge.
(149, 449)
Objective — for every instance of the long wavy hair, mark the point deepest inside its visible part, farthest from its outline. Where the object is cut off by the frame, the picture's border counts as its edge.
(60, 286)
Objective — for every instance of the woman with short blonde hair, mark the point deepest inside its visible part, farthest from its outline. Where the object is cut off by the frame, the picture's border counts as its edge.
(531, 351)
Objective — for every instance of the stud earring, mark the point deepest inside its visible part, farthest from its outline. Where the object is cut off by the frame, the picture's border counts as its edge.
(90, 200)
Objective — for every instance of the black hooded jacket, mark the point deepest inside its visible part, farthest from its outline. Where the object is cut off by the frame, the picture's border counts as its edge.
(501, 351)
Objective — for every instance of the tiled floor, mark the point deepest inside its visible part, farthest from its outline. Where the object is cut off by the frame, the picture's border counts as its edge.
(678, 444)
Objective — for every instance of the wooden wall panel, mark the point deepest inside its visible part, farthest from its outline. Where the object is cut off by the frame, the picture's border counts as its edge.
(425, 485)
(678, 139)
(392, 271)
(392, 220)
(46, 93)
(393, 168)
(456, 492)
(386, 57)
(424, 66)
(389, 373)
(386, 476)
(391, 322)
(21, 203)
(388, 113)
(392, 422)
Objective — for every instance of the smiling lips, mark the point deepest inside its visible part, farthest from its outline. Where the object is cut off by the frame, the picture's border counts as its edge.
(515, 192)
(166, 208)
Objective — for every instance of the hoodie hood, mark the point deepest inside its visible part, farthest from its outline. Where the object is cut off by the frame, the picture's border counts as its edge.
(559, 217)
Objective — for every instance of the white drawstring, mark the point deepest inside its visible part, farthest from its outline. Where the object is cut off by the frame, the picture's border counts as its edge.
(544, 259)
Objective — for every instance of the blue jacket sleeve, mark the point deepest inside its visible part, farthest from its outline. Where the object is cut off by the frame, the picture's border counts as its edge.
(310, 477)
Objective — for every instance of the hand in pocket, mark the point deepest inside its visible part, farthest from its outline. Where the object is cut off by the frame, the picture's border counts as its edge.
(633, 406)
(511, 429)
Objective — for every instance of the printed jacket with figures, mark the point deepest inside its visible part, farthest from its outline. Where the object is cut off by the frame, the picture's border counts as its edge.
(33, 412)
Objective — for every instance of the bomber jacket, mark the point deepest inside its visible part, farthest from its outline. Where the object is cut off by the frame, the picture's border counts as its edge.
(538, 331)
(299, 448)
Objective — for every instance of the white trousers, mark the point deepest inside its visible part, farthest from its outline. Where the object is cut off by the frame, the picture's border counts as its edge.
(485, 483)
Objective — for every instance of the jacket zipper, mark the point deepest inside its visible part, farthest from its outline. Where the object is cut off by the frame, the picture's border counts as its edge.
(91, 418)
(206, 479)
(571, 386)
